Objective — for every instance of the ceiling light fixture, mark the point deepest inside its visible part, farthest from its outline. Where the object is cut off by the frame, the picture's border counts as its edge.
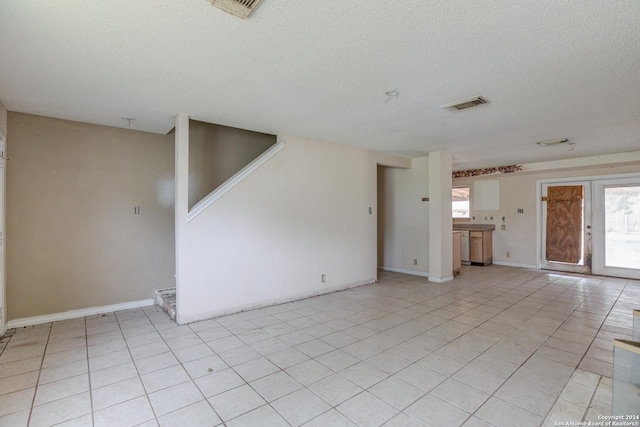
(552, 142)
(129, 120)
(391, 94)
(466, 103)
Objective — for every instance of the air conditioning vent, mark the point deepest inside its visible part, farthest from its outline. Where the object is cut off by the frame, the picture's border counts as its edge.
(239, 8)
(467, 103)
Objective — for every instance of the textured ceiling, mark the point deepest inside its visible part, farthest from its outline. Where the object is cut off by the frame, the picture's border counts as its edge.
(549, 69)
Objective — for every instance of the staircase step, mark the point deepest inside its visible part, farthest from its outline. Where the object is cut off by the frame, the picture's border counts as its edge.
(166, 298)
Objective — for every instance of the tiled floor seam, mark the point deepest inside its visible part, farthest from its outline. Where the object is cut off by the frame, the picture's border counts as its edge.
(525, 361)
(146, 393)
(556, 402)
(593, 396)
(86, 340)
(35, 393)
(602, 323)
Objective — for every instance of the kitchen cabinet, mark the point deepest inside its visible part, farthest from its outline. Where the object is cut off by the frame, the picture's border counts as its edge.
(486, 195)
(481, 247)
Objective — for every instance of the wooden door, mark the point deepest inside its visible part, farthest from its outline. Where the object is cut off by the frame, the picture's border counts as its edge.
(567, 223)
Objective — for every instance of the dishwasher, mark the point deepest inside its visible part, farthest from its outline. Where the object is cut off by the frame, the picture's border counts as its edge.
(464, 248)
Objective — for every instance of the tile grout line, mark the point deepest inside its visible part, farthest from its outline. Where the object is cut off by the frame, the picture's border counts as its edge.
(86, 338)
(526, 295)
(587, 350)
(35, 393)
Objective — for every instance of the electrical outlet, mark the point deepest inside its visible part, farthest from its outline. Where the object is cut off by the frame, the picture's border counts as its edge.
(508, 254)
(136, 210)
(491, 218)
(415, 262)
(370, 210)
(503, 227)
(323, 278)
(520, 210)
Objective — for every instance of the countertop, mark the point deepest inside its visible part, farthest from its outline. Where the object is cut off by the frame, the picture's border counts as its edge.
(474, 227)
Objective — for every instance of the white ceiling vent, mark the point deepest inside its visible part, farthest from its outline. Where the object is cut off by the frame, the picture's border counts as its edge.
(467, 103)
(239, 8)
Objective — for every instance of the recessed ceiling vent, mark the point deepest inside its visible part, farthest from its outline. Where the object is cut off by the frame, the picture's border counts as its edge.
(467, 103)
(239, 8)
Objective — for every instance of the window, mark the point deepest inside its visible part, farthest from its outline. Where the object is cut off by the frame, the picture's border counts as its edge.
(460, 202)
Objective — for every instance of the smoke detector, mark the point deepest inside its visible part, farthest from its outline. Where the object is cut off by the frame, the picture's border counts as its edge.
(239, 8)
(466, 103)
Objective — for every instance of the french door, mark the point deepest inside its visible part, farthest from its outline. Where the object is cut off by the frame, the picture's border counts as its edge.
(592, 227)
(566, 227)
(616, 239)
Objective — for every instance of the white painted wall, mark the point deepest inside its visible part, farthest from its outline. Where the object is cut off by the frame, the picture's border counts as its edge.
(518, 190)
(302, 214)
(440, 222)
(403, 225)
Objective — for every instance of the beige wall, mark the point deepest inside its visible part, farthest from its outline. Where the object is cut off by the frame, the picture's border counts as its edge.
(518, 190)
(73, 240)
(217, 152)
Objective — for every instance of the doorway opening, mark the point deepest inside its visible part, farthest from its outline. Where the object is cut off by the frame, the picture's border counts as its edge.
(591, 226)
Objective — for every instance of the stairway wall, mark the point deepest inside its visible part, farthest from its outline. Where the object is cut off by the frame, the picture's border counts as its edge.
(302, 214)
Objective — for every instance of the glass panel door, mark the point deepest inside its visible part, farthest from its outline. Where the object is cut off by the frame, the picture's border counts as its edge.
(617, 228)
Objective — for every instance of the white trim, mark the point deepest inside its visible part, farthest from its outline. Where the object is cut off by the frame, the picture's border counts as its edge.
(515, 264)
(583, 162)
(210, 199)
(3, 234)
(402, 270)
(538, 224)
(72, 314)
(440, 279)
(588, 178)
(599, 236)
(241, 308)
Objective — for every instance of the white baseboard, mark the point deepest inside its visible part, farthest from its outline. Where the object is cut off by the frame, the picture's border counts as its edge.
(513, 264)
(440, 279)
(402, 270)
(183, 320)
(72, 314)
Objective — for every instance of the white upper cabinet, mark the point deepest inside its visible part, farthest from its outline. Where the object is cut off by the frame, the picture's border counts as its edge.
(486, 195)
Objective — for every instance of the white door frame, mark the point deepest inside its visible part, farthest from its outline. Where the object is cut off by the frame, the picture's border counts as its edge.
(3, 174)
(599, 242)
(539, 204)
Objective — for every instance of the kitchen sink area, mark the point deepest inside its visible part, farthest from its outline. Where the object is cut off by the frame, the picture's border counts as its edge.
(476, 243)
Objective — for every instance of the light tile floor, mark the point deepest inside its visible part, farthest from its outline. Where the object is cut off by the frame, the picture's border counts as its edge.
(497, 346)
